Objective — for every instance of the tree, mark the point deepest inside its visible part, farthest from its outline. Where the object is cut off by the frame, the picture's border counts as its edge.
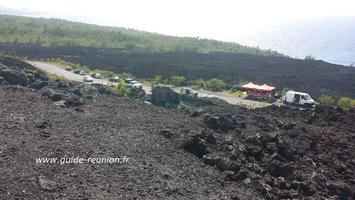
(177, 80)
(215, 85)
(326, 100)
(309, 57)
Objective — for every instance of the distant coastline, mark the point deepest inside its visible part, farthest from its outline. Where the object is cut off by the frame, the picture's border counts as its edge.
(311, 37)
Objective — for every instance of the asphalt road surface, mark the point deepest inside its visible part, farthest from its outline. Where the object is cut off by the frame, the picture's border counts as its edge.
(53, 69)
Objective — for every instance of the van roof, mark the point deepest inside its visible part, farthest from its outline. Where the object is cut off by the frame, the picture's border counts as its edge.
(295, 92)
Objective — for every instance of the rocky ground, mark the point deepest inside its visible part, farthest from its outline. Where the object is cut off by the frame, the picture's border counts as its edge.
(204, 149)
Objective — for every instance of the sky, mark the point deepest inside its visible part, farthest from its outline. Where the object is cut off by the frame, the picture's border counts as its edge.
(226, 20)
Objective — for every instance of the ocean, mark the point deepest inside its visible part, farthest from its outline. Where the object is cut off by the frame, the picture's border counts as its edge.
(329, 39)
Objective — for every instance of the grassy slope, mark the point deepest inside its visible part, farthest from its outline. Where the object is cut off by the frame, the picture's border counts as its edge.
(55, 32)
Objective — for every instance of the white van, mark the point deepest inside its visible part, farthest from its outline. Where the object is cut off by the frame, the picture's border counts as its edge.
(298, 98)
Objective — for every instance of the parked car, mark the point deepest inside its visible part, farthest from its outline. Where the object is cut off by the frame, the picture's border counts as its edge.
(96, 75)
(114, 79)
(77, 71)
(88, 79)
(298, 98)
(135, 84)
(188, 91)
(82, 72)
(128, 80)
(68, 68)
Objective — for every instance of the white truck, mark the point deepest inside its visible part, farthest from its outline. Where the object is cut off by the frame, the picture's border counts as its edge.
(298, 98)
(133, 84)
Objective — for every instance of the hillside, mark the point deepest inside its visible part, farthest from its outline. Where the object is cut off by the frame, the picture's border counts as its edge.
(147, 54)
(55, 32)
(315, 77)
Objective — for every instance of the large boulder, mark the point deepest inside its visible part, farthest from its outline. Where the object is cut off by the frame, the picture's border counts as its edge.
(277, 168)
(39, 84)
(164, 96)
(14, 77)
(53, 95)
(197, 146)
(220, 122)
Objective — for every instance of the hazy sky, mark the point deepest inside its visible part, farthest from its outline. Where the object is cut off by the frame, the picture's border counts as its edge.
(226, 20)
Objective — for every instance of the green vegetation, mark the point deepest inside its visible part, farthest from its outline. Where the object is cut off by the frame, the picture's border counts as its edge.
(157, 79)
(55, 77)
(198, 84)
(121, 89)
(177, 80)
(346, 102)
(326, 100)
(55, 32)
(237, 93)
(215, 85)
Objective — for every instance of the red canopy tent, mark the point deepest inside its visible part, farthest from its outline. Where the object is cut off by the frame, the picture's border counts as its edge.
(266, 87)
(257, 90)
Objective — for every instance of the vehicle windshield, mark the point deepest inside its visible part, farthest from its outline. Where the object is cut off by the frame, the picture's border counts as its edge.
(307, 97)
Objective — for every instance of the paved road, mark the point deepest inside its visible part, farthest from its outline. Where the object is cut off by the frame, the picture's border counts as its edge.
(233, 99)
(53, 69)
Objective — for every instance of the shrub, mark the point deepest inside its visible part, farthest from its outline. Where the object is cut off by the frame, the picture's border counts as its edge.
(353, 103)
(345, 102)
(198, 84)
(121, 89)
(157, 78)
(177, 80)
(326, 100)
(215, 85)
(238, 93)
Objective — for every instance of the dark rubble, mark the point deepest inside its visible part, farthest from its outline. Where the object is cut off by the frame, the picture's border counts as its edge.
(203, 150)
